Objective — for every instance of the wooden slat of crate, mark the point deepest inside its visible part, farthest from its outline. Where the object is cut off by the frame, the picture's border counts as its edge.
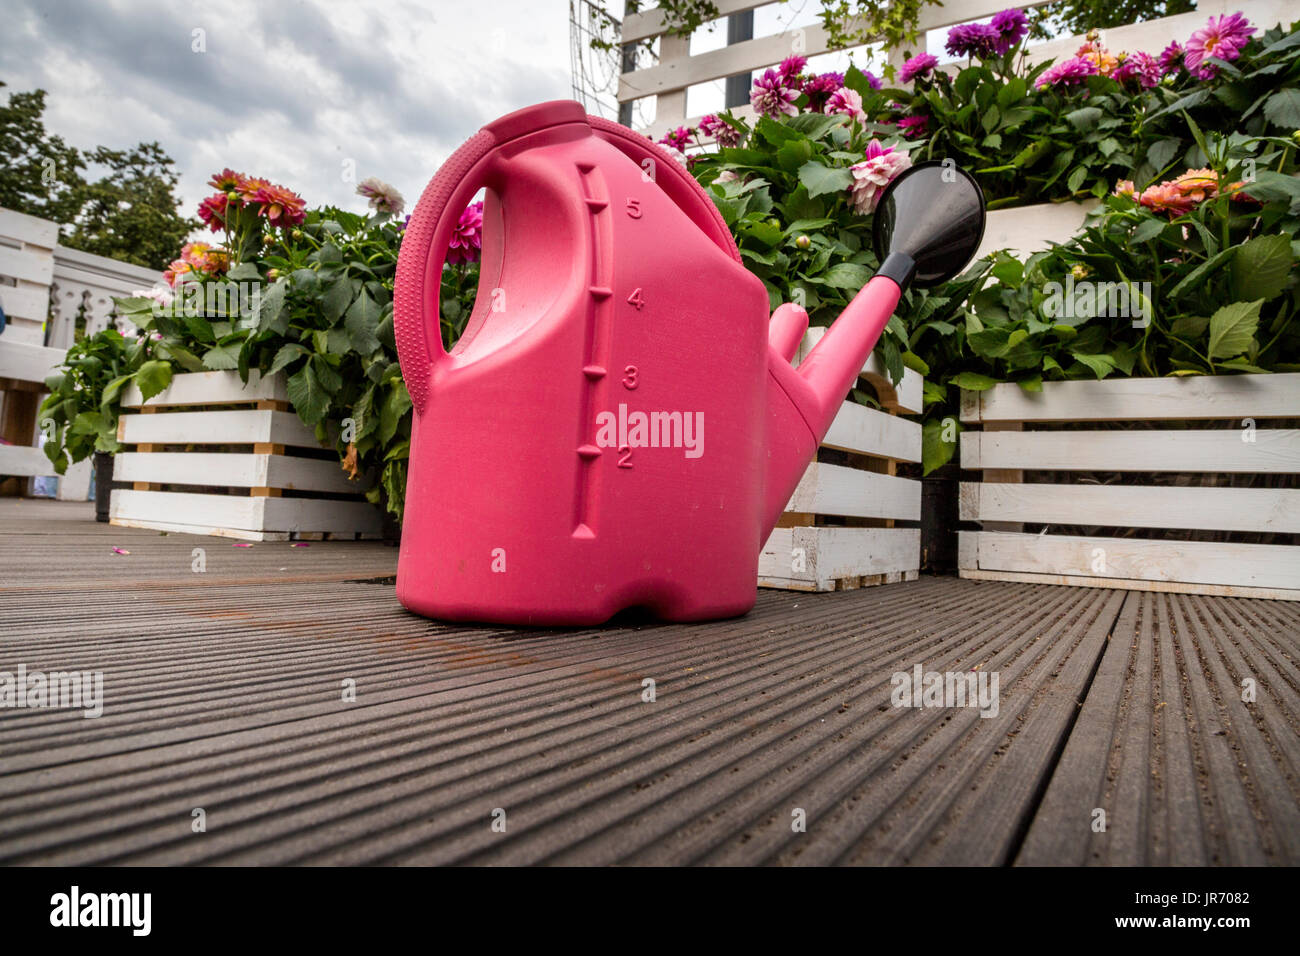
(238, 516)
(1140, 399)
(867, 431)
(838, 558)
(1196, 567)
(836, 490)
(211, 388)
(1129, 506)
(231, 427)
(1272, 450)
(238, 470)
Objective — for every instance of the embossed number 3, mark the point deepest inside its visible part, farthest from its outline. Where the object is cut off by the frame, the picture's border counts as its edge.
(629, 377)
(634, 208)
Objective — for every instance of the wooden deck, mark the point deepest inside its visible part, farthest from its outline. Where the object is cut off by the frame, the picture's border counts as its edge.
(223, 690)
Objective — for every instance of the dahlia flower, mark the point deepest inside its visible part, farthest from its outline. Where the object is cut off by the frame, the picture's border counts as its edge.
(917, 66)
(677, 139)
(467, 238)
(382, 196)
(913, 127)
(280, 206)
(1171, 58)
(790, 69)
(770, 96)
(1222, 37)
(213, 211)
(846, 102)
(1073, 70)
(876, 171)
(1138, 66)
(819, 88)
(973, 40)
(1011, 26)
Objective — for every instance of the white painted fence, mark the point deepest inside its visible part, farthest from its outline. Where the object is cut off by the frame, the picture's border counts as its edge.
(803, 553)
(1183, 455)
(44, 289)
(668, 80)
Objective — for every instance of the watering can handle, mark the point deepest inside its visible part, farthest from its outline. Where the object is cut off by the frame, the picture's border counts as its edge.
(419, 265)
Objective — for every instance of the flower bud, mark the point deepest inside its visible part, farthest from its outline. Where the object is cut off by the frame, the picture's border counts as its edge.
(803, 242)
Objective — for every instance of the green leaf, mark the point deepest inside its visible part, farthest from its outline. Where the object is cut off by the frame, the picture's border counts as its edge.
(1085, 118)
(1148, 229)
(935, 451)
(222, 357)
(847, 275)
(819, 179)
(1101, 364)
(1077, 176)
(1262, 267)
(793, 154)
(396, 404)
(1162, 152)
(309, 399)
(1232, 328)
(337, 298)
(857, 81)
(973, 381)
(362, 318)
(1283, 109)
(152, 377)
(286, 355)
(270, 305)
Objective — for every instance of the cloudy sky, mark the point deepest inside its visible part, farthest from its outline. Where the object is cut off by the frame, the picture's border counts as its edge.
(314, 94)
(291, 90)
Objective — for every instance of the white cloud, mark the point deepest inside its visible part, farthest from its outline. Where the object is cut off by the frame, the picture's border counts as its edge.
(287, 90)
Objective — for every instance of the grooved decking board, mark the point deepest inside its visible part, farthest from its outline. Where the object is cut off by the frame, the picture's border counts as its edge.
(1187, 773)
(224, 692)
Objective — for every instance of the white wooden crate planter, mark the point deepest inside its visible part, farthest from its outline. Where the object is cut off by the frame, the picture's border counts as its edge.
(251, 446)
(804, 553)
(1188, 458)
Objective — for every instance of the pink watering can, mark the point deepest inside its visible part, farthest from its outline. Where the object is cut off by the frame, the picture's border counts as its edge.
(619, 425)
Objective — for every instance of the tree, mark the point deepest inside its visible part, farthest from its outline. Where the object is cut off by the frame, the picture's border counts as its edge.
(131, 213)
(40, 171)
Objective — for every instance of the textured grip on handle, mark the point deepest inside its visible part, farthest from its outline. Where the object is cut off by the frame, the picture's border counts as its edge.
(416, 292)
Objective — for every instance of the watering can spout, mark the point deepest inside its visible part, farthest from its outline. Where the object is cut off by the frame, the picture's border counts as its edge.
(927, 226)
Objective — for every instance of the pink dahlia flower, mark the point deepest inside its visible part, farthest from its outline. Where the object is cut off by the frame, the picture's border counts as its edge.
(846, 102)
(1222, 37)
(382, 196)
(1011, 25)
(819, 88)
(917, 66)
(876, 171)
(1171, 59)
(973, 39)
(467, 239)
(770, 96)
(913, 127)
(1140, 67)
(1071, 71)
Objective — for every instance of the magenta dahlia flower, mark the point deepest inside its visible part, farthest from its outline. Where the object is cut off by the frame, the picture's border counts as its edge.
(917, 66)
(1067, 72)
(771, 96)
(819, 88)
(790, 69)
(1171, 59)
(973, 39)
(913, 127)
(1011, 25)
(467, 238)
(1140, 67)
(678, 138)
(1222, 37)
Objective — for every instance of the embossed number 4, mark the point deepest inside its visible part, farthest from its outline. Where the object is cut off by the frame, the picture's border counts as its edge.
(635, 298)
